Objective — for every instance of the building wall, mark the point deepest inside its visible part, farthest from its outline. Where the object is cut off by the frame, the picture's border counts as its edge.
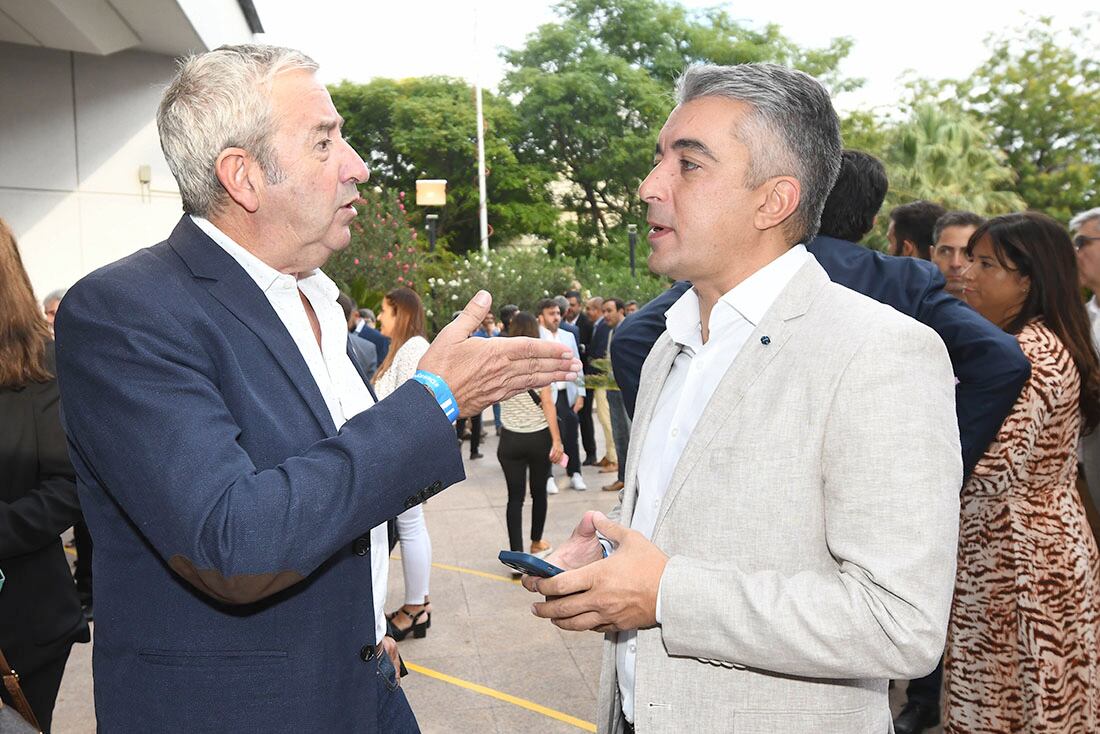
(74, 131)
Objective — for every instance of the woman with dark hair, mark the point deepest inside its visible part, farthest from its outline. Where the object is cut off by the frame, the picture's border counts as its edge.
(529, 444)
(40, 615)
(402, 321)
(1023, 645)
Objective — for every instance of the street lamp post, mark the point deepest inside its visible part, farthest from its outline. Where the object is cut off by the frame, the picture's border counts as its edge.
(431, 192)
(432, 219)
(632, 234)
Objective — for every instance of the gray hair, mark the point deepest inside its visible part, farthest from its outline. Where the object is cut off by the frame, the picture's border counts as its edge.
(791, 129)
(52, 296)
(1080, 220)
(563, 303)
(218, 100)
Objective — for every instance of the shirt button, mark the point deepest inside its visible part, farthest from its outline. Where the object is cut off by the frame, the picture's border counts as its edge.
(674, 432)
(362, 545)
(633, 647)
(366, 653)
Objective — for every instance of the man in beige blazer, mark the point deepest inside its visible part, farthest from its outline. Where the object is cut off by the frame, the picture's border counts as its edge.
(790, 512)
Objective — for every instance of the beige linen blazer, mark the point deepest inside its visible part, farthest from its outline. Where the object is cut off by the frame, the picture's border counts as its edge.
(811, 526)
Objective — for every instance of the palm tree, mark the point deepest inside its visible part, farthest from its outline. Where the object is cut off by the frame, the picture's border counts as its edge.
(945, 155)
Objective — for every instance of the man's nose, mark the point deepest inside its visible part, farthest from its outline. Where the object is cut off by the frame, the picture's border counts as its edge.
(654, 186)
(355, 168)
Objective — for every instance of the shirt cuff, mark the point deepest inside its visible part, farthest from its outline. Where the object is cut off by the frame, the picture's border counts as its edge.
(658, 610)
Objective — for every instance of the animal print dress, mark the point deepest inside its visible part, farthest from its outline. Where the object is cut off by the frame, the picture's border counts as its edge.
(1022, 651)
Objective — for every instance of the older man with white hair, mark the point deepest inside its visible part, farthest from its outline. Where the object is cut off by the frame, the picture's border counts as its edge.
(231, 458)
(1085, 227)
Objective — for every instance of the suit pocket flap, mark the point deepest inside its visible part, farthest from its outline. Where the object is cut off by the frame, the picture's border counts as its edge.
(212, 658)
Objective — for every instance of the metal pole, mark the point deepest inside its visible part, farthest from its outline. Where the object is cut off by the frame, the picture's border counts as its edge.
(482, 209)
(632, 234)
(431, 219)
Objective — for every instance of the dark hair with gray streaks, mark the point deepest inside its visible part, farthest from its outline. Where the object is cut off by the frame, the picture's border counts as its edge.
(791, 130)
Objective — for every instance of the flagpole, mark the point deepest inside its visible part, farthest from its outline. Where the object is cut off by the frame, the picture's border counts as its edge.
(482, 209)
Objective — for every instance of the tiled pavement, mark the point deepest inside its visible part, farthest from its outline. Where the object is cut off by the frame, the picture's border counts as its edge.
(482, 630)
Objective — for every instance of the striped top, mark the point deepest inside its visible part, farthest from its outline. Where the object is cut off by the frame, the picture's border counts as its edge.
(521, 415)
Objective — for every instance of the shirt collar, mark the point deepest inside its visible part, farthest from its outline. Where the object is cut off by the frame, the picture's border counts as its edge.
(751, 298)
(265, 276)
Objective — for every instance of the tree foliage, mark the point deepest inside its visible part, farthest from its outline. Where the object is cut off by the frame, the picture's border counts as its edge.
(427, 128)
(595, 88)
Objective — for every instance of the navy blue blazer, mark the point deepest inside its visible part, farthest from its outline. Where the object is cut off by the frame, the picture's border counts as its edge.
(989, 366)
(597, 347)
(231, 519)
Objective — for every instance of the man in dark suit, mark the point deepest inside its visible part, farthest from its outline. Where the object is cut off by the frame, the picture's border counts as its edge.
(227, 462)
(365, 351)
(576, 316)
(989, 367)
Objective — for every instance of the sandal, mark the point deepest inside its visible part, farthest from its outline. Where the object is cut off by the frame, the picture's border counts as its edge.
(419, 621)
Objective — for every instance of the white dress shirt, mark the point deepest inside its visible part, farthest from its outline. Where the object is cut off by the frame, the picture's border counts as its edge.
(1093, 310)
(691, 382)
(572, 389)
(341, 385)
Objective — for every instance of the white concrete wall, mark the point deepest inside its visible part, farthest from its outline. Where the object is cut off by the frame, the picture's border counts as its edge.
(74, 130)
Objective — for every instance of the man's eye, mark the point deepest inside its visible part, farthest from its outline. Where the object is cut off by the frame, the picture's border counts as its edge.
(324, 144)
(688, 165)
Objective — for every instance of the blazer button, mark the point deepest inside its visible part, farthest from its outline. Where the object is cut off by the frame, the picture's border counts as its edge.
(366, 653)
(362, 545)
(436, 486)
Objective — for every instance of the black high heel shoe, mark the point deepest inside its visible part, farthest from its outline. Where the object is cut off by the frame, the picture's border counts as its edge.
(421, 620)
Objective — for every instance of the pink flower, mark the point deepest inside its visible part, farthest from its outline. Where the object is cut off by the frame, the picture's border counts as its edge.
(400, 279)
(405, 267)
(401, 194)
(411, 249)
(356, 261)
(389, 256)
(414, 234)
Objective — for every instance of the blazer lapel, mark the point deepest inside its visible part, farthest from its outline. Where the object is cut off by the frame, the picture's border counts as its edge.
(749, 365)
(227, 281)
(652, 381)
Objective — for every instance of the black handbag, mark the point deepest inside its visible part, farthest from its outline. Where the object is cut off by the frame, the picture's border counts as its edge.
(18, 720)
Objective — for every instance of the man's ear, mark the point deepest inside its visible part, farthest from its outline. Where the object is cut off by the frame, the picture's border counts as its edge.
(781, 197)
(908, 249)
(240, 176)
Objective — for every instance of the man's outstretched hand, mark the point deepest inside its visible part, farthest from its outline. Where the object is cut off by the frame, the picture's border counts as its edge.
(481, 372)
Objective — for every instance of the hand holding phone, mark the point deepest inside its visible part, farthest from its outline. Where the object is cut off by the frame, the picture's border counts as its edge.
(528, 564)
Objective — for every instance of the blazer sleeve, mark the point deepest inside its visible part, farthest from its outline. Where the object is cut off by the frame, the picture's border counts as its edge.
(890, 489)
(635, 337)
(148, 422)
(988, 363)
(36, 519)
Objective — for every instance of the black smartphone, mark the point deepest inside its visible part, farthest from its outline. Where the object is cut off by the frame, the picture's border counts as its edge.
(528, 564)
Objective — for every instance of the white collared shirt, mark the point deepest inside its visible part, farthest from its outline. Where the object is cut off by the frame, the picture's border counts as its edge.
(691, 382)
(341, 385)
(1093, 310)
(572, 389)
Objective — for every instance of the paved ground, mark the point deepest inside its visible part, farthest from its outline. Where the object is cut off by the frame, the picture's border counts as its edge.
(483, 640)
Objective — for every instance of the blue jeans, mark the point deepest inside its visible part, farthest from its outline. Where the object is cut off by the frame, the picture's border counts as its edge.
(394, 713)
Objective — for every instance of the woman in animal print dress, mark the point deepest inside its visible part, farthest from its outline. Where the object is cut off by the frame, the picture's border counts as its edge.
(1023, 646)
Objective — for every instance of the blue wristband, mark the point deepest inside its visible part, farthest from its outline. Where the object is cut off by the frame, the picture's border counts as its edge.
(441, 391)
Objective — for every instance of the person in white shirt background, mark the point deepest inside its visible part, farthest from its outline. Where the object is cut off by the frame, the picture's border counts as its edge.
(568, 397)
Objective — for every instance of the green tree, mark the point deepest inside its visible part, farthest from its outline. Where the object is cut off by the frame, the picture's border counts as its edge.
(427, 128)
(948, 157)
(596, 86)
(1042, 96)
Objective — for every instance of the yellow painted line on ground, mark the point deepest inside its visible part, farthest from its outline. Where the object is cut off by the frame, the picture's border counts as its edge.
(471, 571)
(507, 698)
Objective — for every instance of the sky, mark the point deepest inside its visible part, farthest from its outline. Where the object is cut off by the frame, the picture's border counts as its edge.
(362, 39)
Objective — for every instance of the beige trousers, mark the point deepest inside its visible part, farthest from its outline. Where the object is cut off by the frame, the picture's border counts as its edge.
(603, 412)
